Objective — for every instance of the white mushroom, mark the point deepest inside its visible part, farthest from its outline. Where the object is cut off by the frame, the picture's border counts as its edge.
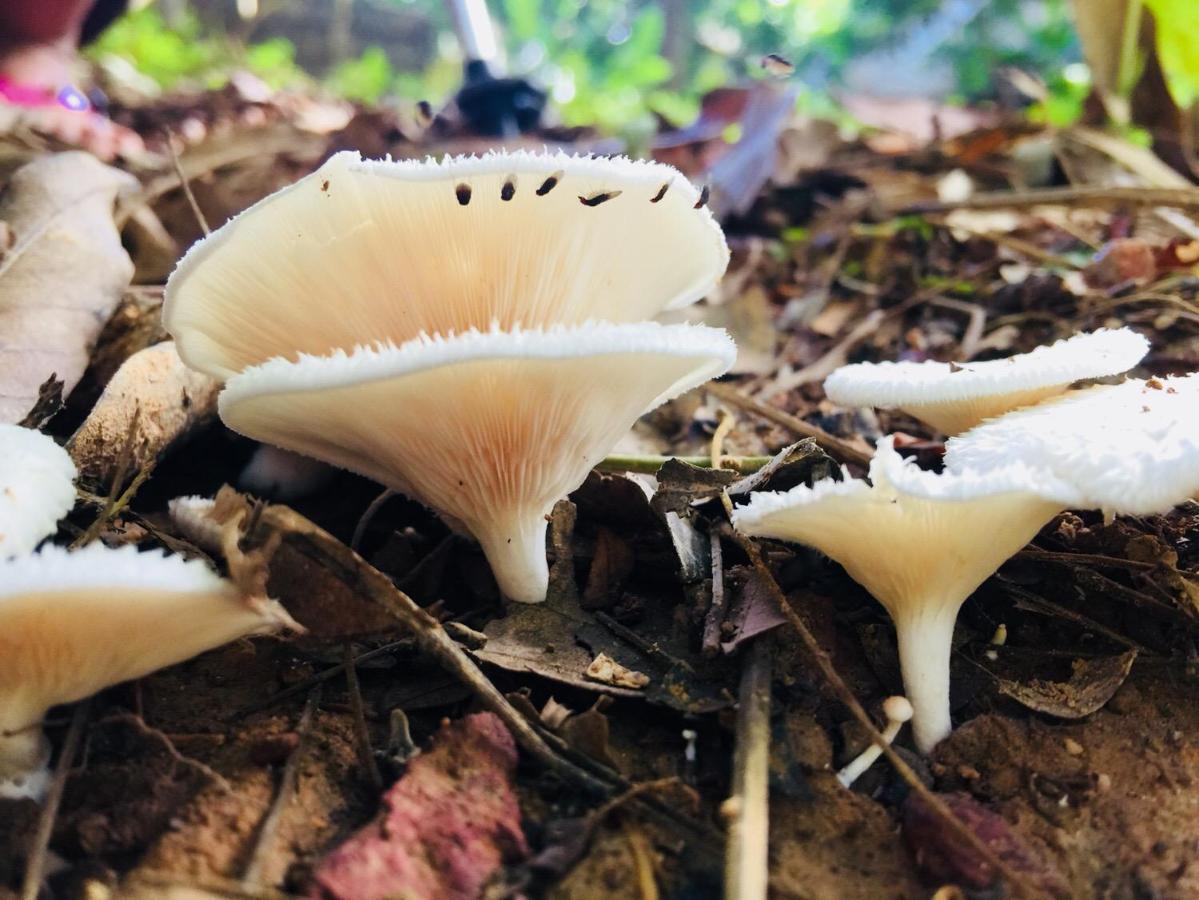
(1130, 449)
(74, 623)
(952, 397)
(489, 428)
(366, 250)
(920, 543)
(897, 710)
(36, 488)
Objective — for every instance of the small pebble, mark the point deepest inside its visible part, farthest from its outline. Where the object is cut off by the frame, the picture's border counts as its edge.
(1103, 782)
(1072, 747)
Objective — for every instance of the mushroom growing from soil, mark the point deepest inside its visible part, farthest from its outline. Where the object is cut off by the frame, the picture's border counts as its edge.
(898, 711)
(1128, 449)
(37, 488)
(362, 251)
(73, 623)
(952, 397)
(921, 543)
(489, 428)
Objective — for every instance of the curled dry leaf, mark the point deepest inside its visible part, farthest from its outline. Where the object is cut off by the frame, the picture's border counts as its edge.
(607, 670)
(151, 401)
(62, 276)
(1092, 684)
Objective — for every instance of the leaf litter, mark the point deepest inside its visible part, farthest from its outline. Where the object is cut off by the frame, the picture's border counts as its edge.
(1071, 757)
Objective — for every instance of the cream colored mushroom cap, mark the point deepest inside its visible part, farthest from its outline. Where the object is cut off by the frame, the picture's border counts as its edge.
(74, 623)
(912, 536)
(36, 488)
(489, 428)
(1127, 449)
(953, 397)
(368, 250)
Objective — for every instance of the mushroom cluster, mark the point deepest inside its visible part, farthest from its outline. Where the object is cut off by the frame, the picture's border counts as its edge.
(473, 333)
(922, 542)
(75, 622)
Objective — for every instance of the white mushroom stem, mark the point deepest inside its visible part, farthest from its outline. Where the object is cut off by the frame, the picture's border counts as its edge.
(517, 557)
(897, 710)
(921, 543)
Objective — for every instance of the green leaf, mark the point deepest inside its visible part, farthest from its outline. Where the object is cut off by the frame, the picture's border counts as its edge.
(1178, 47)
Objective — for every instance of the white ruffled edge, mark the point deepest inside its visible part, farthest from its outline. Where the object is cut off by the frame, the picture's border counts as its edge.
(97, 566)
(37, 487)
(893, 477)
(890, 384)
(386, 361)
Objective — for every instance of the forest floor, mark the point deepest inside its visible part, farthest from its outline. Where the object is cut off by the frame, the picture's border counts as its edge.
(1076, 756)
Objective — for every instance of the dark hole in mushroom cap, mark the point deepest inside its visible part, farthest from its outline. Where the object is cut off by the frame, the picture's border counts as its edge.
(462, 192)
(508, 191)
(661, 193)
(549, 184)
(703, 197)
(598, 198)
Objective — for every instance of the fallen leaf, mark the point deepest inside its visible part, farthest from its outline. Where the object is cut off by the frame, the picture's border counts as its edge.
(447, 827)
(1093, 683)
(607, 670)
(63, 275)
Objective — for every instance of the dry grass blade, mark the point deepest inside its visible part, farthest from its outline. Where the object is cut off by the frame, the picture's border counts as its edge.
(185, 183)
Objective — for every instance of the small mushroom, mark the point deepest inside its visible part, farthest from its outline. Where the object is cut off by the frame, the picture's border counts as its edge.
(920, 543)
(898, 711)
(1128, 449)
(36, 488)
(952, 397)
(362, 251)
(489, 428)
(73, 623)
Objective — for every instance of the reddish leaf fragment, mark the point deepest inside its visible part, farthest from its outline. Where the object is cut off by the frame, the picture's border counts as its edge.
(944, 855)
(446, 828)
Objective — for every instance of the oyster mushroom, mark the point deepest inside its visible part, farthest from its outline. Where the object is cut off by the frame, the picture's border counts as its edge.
(73, 623)
(1128, 449)
(921, 543)
(36, 488)
(489, 428)
(952, 397)
(362, 251)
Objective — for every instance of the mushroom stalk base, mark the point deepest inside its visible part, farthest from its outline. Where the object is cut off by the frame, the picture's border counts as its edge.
(925, 643)
(516, 553)
(24, 756)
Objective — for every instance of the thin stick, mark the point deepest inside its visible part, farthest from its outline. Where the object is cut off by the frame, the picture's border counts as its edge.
(186, 185)
(649, 465)
(366, 756)
(746, 855)
(931, 800)
(287, 788)
(723, 427)
(36, 864)
(368, 516)
(714, 617)
(1082, 195)
(829, 443)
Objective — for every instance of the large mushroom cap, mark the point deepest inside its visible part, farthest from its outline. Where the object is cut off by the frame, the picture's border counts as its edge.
(36, 488)
(1131, 448)
(953, 397)
(489, 428)
(920, 543)
(363, 251)
(73, 623)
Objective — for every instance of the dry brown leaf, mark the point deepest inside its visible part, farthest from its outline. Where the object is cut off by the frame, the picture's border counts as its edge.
(1093, 683)
(63, 275)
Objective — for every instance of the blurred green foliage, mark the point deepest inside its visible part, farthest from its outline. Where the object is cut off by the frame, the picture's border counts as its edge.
(619, 63)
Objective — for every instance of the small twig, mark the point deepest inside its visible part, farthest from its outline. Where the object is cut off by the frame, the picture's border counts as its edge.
(368, 516)
(931, 800)
(366, 755)
(714, 617)
(650, 648)
(185, 183)
(1047, 607)
(287, 787)
(35, 866)
(146, 730)
(836, 357)
(831, 444)
(1078, 195)
(645, 787)
(649, 465)
(725, 424)
(746, 856)
(1087, 559)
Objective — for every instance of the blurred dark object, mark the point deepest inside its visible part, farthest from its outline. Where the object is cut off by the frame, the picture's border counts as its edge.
(102, 14)
(491, 105)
